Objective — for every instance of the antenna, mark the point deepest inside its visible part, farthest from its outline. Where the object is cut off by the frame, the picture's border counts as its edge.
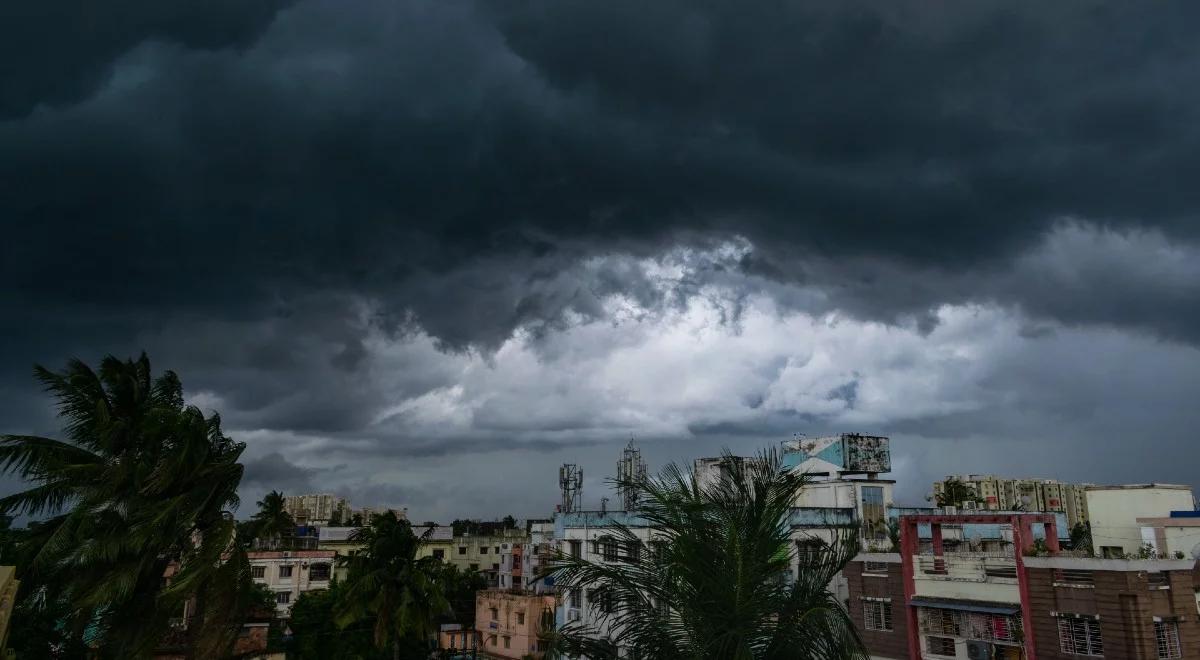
(631, 472)
(603, 505)
(570, 481)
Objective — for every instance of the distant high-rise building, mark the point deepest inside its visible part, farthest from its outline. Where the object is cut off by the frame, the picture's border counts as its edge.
(317, 509)
(1003, 494)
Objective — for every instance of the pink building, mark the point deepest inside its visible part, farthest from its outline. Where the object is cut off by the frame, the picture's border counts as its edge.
(508, 622)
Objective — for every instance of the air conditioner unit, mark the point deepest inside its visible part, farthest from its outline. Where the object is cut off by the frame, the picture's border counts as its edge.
(969, 506)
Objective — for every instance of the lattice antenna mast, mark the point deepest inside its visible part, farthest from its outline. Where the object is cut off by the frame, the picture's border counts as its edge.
(631, 471)
(570, 481)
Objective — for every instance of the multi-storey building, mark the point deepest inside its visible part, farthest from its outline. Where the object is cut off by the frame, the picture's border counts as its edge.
(1003, 494)
(290, 573)
(317, 509)
(934, 602)
(510, 624)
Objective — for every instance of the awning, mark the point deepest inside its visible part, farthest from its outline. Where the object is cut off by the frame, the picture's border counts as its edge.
(967, 605)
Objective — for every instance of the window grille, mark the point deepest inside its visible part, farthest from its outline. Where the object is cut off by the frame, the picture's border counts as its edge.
(1080, 636)
(877, 615)
(1166, 637)
(876, 567)
(940, 645)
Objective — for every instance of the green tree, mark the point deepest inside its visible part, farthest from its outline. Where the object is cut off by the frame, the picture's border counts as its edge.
(388, 584)
(272, 521)
(1081, 536)
(316, 635)
(460, 587)
(954, 492)
(716, 581)
(140, 483)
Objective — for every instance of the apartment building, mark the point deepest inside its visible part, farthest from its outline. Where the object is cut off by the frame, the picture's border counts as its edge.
(318, 508)
(289, 573)
(509, 623)
(1004, 494)
(930, 601)
(590, 535)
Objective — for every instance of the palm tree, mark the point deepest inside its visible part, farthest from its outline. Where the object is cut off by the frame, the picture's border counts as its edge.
(272, 520)
(388, 583)
(141, 483)
(716, 581)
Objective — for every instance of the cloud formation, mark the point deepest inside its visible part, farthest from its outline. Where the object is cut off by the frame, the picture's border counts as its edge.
(402, 233)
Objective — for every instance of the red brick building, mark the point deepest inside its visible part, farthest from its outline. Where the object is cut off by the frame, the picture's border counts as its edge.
(952, 605)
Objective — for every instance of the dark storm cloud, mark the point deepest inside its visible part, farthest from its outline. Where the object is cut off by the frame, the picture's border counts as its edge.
(275, 472)
(57, 52)
(450, 161)
(255, 192)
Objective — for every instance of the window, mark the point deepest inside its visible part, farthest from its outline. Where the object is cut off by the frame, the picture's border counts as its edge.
(576, 547)
(319, 572)
(507, 641)
(495, 613)
(877, 615)
(462, 550)
(439, 554)
(283, 597)
(634, 552)
(492, 640)
(497, 549)
(1080, 636)
(285, 571)
(608, 548)
(474, 567)
(1112, 551)
(940, 645)
(1158, 580)
(520, 618)
(875, 567)
(483, 550)
(576, 597)
(1074, 576)
(1166, 637)
(495, 567)
(258, 571)
(810, 551)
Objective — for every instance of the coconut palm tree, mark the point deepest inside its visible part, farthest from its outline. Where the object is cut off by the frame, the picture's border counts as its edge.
(141, 487)
(387, 583)
(272, 520)
(716, 580)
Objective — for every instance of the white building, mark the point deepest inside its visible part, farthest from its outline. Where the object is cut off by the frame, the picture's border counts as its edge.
(290, 573)
(589, 535)
(1114, 512)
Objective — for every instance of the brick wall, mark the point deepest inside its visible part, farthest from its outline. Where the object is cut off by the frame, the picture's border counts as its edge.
(1126, 606)
(892, 644)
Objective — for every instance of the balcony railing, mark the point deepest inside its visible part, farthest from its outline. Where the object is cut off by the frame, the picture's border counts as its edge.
(967, 567)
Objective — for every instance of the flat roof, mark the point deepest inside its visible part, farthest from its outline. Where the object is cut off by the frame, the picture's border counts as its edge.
(1139, 487)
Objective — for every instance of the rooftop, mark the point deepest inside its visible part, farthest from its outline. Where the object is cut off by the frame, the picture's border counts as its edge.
(1140, 487)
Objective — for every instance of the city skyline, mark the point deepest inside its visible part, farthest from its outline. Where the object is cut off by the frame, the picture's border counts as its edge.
(421, 254)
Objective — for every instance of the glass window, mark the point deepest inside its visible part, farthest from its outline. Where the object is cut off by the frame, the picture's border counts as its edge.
(258, 571)
(439, 554)
(285, 571)
(319, 572)
(283, 597)
(483, 550)
(462, 550)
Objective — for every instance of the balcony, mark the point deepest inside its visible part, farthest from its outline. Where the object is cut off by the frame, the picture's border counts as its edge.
(967, 575)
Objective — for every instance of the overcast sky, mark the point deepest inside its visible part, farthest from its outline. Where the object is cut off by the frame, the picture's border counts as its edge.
(421, 253)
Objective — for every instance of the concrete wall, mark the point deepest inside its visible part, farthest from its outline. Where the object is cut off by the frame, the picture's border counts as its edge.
(301, 563)
(508, 622)
(1114, 512)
